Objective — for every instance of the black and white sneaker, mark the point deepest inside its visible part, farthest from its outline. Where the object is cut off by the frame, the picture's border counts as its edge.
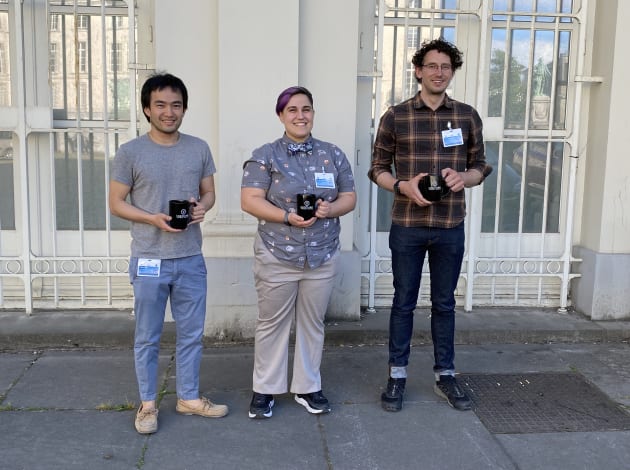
(448, 388)
(315, 403)
(261, 405)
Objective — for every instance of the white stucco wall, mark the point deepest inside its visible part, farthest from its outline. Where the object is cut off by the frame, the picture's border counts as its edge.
(616, 191)
(328, 68)
(235, 58)
(604, 221)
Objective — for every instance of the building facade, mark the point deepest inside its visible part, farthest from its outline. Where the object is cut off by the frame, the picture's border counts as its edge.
(549, 228)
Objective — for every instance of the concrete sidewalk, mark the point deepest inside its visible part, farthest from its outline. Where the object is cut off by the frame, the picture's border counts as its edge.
(59, 411)
(97, 329)
(73, 407)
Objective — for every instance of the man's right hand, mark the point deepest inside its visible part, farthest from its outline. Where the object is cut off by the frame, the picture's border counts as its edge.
(411, 191)
(161, 221)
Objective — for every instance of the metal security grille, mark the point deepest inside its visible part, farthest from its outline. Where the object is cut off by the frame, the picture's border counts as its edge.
(536, 403)
(523, 72)
(61, 247)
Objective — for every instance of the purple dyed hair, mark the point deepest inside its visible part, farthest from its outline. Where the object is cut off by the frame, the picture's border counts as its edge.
(286, 95)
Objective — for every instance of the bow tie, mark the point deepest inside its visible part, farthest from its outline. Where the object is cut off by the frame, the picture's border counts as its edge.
(304, 147)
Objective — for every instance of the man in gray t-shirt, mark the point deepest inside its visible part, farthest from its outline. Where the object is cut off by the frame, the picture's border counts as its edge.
(166, 262)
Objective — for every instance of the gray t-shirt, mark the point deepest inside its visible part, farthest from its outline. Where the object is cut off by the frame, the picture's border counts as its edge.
(283, 176)
(157, 174)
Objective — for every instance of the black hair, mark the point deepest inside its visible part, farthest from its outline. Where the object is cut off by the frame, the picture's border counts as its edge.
(159, 81)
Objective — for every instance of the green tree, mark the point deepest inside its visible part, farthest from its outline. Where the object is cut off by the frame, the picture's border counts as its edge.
(516, 89)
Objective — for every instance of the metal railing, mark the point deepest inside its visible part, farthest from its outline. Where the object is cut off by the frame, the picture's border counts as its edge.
(66, 250)
(540, 275)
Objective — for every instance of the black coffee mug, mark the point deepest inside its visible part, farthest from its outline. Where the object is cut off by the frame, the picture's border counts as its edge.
(433, 187)
(180, 211)
(306, 205)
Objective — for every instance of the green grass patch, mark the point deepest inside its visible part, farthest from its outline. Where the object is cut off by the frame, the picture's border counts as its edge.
(128, 405)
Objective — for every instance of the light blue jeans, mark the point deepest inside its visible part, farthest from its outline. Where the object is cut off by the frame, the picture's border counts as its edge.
(184, 281)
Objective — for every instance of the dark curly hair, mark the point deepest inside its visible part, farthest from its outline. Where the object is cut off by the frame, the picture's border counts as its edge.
(440, 45)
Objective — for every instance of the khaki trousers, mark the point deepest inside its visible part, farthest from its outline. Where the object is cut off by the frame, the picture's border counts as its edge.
(287, 294)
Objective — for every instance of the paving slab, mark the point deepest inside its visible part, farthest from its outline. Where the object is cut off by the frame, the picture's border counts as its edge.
(421, 436)
(575, 451)
(290, 440)
(227, 369)
(90, 379)
(12, 367)
(607, 365)
(502, 358)
(358, 375)
(68, 440)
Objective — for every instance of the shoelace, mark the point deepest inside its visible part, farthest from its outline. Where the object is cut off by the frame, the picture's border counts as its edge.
(149, 412)
(455, 389)
(260, 400)
(458, 391)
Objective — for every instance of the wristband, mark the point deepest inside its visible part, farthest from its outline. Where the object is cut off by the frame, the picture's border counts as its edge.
(286, 218)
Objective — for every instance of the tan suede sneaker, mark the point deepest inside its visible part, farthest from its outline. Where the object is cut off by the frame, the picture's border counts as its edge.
(207, 409)
(147, 420)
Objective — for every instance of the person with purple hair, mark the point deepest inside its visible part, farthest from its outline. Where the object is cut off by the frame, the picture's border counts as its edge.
(295, 254)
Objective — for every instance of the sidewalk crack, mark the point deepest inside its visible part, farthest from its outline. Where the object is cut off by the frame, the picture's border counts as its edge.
(324, 439)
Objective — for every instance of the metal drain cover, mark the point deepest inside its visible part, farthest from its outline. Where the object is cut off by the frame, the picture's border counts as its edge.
(542, 402)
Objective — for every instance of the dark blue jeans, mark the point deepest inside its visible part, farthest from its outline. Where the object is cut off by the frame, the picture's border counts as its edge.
(445, 248)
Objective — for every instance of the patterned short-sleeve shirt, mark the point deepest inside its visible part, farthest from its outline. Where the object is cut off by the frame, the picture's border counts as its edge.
(283, 176)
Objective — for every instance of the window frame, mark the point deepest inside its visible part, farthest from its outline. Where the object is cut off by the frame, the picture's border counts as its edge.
(82, 53)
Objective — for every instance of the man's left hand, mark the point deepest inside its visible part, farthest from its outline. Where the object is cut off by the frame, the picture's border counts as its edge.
(198, 212)
(453, 179)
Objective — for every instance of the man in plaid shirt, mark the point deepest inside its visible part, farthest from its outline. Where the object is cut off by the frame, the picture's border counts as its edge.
(433, 136)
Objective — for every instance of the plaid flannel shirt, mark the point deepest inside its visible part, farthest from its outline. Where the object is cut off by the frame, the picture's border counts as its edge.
(409, 139)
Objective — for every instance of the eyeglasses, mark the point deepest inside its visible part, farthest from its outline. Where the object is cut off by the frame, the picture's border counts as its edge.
(436, 67)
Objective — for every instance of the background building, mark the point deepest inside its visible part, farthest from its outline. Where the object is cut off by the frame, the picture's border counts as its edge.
(549, 228)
